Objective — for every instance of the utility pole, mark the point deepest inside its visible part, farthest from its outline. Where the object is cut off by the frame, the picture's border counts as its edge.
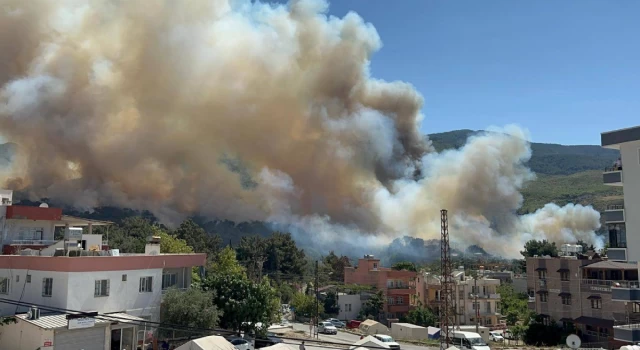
(447, 311)
(317, 303)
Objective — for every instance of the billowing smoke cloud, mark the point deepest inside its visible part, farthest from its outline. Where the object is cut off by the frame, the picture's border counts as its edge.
(246, 111)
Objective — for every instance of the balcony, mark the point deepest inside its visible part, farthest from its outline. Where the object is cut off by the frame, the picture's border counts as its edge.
(614, 214)
(612, 176)
(484, 296)
(626, 291)
(628, 333)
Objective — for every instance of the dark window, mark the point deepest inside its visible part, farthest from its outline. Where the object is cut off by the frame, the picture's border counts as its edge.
(47, 287)
(101, 288)
(566, 300)
(596, 303)
(146, 284)
(542, 274)
(636, 308)
(543, 297)
(564, 275)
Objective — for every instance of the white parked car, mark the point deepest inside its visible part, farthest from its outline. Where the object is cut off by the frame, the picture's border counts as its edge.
(327, 328)
(495, 336)
(241, 344)
(388, 341)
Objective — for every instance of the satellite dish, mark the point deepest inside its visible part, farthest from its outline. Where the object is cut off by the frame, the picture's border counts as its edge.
(44, 205)
(573, 341)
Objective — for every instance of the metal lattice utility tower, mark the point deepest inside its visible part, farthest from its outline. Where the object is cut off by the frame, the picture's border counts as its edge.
(447, 311)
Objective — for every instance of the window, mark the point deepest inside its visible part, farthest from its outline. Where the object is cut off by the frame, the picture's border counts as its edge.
(101, 288)
(543, 297)
(4, 285)
(546, 321)
(124, 277)
(168, 280)
(400, 301)
(476, 306)
(391, 301)
(347, 307)
(564, 275)
(30, 233)
(488, 306)
(461, 294)
(47, 286)
(596, 303)
(566, 300)
(636, 308)
(17, 278)
(542, 274)
(375, 265)
(28, 278)
(146, 284)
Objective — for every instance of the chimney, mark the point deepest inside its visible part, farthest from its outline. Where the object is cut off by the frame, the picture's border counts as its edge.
(153, 246)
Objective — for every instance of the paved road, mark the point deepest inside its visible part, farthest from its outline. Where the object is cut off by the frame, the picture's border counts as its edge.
(347, 338)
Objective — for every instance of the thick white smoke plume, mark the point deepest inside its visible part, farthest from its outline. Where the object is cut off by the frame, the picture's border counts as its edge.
(247, 111)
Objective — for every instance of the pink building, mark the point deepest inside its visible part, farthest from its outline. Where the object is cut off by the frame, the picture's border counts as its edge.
(399, 287)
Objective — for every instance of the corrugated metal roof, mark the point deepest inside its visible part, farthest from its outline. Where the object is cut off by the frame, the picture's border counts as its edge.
(408, 325)
(60, 321)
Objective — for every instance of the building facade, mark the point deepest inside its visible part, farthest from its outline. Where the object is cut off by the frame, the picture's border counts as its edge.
(623, 224)
(399, 287)
(577, 291)
(132, 284)
(474, 299)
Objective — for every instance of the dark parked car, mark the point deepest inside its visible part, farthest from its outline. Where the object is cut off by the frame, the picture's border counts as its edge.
(271, 339)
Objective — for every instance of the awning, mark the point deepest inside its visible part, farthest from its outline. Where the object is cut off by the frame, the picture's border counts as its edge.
(593, 321)
(541, 269)
(594, 297)
(564, 294)
(563, 270)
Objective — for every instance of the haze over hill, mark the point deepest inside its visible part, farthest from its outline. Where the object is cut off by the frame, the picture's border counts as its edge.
(565, 174)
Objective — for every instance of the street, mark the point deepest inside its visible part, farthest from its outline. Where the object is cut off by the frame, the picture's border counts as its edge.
(346, 338)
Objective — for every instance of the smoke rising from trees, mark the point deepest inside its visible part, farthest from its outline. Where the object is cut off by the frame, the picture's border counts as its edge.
(247, 111)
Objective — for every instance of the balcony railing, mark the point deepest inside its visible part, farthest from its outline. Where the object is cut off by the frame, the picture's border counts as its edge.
(612, 168)
(32, 242)
(615, 206)
(627, 284)
(485, 296)
(610, 283)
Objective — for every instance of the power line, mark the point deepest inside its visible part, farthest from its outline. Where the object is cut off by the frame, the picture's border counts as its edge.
(161, 325)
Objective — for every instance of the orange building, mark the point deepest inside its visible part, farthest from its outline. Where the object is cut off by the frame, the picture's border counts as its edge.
(399, 287)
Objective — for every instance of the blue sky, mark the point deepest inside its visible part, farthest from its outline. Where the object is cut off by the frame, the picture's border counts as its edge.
(565, 70)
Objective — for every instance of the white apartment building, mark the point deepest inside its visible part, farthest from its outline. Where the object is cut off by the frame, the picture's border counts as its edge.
(473, 299)
(350, 306)
(131, 284)
(621, 221)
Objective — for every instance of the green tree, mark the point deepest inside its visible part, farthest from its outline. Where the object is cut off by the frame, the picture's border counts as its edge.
(130, 236)
(243, 303)
(539, 248)
(283, 258)
(190, 308)
(226, 263)
(170, 244)
(252, 254)
(404, 265)
(514, 305)
(198, 239)
(421, 316)
(333, 266)
(585, 246)
(331, 303)
(285, 292)
(373, 306)
(305, 305)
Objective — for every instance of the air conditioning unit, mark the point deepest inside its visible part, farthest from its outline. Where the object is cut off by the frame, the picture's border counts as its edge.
(34, 313)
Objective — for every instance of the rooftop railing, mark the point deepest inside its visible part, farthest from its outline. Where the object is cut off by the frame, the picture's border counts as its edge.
(612, 168)
(615, 206)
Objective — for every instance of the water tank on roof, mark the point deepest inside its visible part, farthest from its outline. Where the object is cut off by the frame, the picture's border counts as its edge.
(44, 205)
